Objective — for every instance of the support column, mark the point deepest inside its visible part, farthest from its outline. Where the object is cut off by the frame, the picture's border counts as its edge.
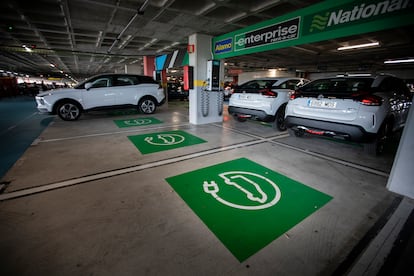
(205, 107)
(149, 66)
(401, 177)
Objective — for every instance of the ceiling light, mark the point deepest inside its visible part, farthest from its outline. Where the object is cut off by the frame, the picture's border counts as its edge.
(52, 65)
(264, 5)
(206, 8)
(395, 61)
(27, 48)
(237, 16)
(358, 46)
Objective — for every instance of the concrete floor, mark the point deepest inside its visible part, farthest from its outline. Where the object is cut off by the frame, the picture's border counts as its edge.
(83, 200)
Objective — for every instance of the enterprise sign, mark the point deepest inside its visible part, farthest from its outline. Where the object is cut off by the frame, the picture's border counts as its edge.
(275, 33)
(319, 22)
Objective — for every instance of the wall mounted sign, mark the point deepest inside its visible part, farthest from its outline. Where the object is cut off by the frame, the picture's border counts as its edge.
(322, 21)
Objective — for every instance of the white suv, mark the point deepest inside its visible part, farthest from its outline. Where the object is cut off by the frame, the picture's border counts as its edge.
(101, 92)
(361, 109)
(263, 99)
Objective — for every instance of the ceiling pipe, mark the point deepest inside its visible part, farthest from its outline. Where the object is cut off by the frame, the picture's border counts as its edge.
(140, 11)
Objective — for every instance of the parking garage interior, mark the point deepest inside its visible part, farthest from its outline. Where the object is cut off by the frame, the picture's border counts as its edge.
(90, 197)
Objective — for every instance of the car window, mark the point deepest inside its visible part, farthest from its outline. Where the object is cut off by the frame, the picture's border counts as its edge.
(257, 84)
(394, 85)
(289, 84)
(101, 82)
(125, 80)
(146, 79)
(338, 86)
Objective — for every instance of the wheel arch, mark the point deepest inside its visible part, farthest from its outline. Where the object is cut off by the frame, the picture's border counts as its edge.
(148, 97)
(57, 103)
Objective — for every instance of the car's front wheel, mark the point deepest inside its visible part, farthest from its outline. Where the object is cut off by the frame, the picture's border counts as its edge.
(68, 111)
(147, 105)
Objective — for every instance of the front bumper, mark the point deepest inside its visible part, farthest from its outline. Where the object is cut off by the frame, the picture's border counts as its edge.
(324, 128)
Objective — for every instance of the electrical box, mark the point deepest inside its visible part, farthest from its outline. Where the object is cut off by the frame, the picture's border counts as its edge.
(213, 75)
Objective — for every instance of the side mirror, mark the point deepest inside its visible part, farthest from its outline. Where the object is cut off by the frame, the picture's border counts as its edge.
(88, 85)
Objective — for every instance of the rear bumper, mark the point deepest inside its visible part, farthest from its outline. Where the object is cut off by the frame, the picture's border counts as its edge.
(254, 113)
(324, 128)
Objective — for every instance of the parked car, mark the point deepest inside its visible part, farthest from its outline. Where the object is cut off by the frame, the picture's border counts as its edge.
(102, 92)
(176, 91)
(364, 109)
(263, 99)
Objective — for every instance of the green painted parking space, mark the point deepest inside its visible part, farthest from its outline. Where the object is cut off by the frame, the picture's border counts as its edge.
(160, 141)
(246, 205)
(137, 122)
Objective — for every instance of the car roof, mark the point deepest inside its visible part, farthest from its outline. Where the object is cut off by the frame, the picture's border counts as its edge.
(277, 80)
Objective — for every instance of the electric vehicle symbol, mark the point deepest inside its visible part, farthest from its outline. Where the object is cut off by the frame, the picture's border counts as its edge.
(138, 122)
(165, 139)
(248, 183)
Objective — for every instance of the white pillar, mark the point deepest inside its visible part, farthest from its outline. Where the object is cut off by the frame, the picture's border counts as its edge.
(205, 107)
(401, 179)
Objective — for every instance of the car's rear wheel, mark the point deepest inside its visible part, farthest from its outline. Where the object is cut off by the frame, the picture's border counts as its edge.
(279, 122)
(147, 105)
(378, 145)
(68, 111)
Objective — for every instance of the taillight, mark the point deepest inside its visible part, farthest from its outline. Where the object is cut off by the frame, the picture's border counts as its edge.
(370, 100)
(293, 95)
(268, 93)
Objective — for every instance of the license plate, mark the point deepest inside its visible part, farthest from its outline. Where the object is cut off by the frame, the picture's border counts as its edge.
(319, 103)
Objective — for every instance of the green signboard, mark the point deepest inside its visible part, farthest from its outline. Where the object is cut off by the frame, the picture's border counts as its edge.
(137, 122)
(160, 141)
(322, 21)
(246, 205)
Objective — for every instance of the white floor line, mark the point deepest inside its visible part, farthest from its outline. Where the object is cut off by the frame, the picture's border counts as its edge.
(339, 161)
(99, 176)
(111, 133)
(113, 173)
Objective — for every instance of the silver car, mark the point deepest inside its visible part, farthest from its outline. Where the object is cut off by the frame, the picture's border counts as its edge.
(363, 109)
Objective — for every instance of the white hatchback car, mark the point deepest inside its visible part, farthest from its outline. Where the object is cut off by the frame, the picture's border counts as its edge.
(363, 109)
(263, 99)
(103, 92)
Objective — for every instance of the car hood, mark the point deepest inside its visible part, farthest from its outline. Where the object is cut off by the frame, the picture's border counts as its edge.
(59, 91)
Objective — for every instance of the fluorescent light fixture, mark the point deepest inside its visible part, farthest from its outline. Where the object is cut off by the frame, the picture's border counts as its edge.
(27, 48)
(206, 8)
(233, 18)
(264, 5)
(52, 65)
(395, 61)
(372, 44)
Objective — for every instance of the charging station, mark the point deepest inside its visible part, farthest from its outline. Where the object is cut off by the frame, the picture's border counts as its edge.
(206, 97)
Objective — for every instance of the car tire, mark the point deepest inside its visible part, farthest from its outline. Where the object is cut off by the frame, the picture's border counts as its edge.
(377, 146)
(68, 110)
(147, 105)
(279, 122)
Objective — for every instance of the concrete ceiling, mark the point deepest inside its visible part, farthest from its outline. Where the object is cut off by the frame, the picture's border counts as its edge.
(86, 37)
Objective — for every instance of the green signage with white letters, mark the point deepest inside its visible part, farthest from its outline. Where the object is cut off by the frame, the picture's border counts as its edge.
(322, 21)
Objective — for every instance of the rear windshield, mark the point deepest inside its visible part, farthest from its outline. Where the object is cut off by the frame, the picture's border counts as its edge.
(344, 87)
